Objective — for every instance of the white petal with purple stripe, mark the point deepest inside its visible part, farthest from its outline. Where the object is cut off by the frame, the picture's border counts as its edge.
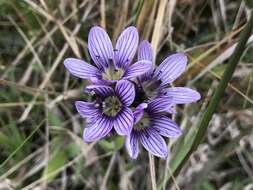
(126, 47)
(139, 111)
(81, 69)
(166, 127)
(182, 95)
(132, 145)
(171, 68)
(87, 109)
(123, 122)
(159, 105)
(125, 91)
(100, 47)
(145, 51)
(98, 130)
(138, 69)
(100, 90)
(153, 142)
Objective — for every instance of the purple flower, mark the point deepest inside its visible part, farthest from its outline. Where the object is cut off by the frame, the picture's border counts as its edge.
(114, 96)
(109, 110)
(111, 64)
(156, 81)
(150, 124)
(151, 119)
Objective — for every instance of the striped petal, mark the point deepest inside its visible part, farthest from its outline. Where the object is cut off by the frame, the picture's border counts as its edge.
(100, 90)
(97, 81)
(81, 69)
(126, 47)
(171, 68)
(145, 51)
(139, 111)
(132, 145)
(98, 130)
(100, 47)
(123, 123)
(87, 109)
(125, 91)
(138, 69)
(159, 105)
(153, 142)
(171, 110)
(182, 95)
(166, 127)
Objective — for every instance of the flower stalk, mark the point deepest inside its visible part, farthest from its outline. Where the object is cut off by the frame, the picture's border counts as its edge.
(152, 171)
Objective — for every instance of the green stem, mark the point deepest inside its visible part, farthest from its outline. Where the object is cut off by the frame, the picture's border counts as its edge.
(227, 75)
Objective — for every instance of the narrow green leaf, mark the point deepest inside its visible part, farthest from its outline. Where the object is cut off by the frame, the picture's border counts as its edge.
(58, 160)
(53, 119)
(204, 121)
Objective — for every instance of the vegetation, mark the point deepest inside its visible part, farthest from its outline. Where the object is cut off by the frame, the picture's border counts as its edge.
(41, 131)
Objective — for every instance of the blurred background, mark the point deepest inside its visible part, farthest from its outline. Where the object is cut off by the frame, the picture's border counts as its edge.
(41, 132)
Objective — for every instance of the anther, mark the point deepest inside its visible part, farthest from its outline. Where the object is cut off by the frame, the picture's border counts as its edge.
(159, 73)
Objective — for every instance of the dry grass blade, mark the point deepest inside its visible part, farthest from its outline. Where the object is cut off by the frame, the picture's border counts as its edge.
(108, 171)
(218, 60)
(70, 163)
(36, 56)
(43, 84)
(69, 39)
(40, 10)
(171, 7)
(37, 35)
(53, 68)
(16, 104)
(158, 28)
(145, 16)
(103, 14)
(152, 171)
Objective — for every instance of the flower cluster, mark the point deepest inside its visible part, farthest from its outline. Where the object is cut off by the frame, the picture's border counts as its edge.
(130, 99)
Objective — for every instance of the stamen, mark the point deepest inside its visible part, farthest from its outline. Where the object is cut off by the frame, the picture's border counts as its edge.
(92, 93)
(151, 87)
(143, 122)
(159, 73)
(111, 106)
(112, 72)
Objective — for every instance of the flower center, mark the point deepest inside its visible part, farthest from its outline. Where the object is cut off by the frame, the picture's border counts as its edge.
(111, 106)
(144, 122)
(112, 73)
(151, 88)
